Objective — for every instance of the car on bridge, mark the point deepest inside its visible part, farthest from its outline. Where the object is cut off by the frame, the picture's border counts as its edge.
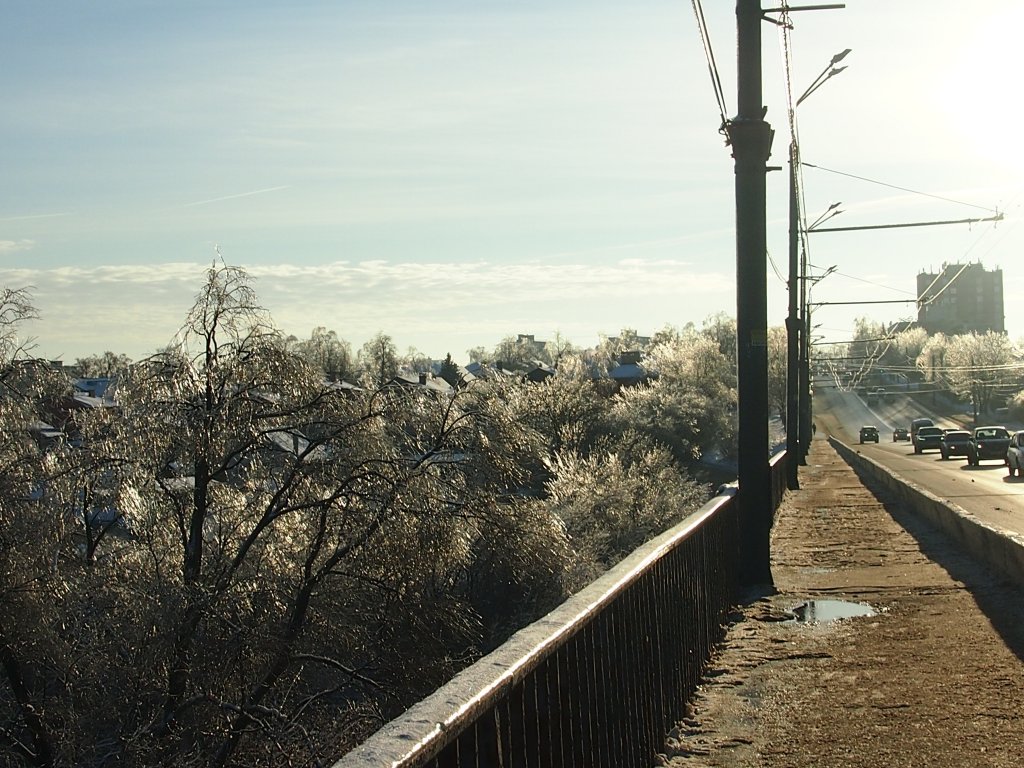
(900, 434)
(916, 424)
(927, 438)
(1015, 454)
(955, 442)
(988, 443)
(868, 434)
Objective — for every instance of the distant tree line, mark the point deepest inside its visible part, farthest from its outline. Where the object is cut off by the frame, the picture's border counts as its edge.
(985, 370)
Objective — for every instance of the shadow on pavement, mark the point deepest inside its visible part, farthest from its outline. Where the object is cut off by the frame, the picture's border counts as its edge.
(1001, 600)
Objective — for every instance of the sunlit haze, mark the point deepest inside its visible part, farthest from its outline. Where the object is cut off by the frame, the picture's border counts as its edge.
(454, 172)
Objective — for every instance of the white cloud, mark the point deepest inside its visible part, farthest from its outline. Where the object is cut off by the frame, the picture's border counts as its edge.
(15, 246)
(130, 274)
(137, 308)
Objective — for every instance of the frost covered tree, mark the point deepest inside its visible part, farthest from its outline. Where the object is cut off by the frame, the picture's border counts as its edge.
(378, 359)
(289, 562)
(517, 352)
(566, 409)
(979, 364)
(326, 350)
(614, 500)
(778, 370)
(31, 536)
(690, 406)
(908, 346)
(106, 366)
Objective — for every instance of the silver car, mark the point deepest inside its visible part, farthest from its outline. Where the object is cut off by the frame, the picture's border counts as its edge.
(1015, 454)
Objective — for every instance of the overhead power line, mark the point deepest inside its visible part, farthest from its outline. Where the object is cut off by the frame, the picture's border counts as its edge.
(928, 299)
(709, 54)
(901, 189)
(869, 282)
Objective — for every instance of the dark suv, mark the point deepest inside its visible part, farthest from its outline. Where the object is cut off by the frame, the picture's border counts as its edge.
(916, 424)
(927, 437)
(988, 443)
(955, 442)
(869, 434)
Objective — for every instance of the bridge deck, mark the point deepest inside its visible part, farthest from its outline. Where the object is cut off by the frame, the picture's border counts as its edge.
(935, 678)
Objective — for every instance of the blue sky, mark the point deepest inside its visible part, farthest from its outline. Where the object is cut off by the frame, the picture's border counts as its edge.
(452, 172)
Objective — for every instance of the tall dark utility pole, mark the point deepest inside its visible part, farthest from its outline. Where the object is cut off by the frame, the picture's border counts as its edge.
(799, 427)
(793, 334)
(751, 139)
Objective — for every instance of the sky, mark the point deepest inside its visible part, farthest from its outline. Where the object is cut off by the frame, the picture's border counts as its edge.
(453, 172)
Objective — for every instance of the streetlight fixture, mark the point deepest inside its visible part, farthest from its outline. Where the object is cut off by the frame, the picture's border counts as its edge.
(826, 74)
(823, 275)
(829, 213)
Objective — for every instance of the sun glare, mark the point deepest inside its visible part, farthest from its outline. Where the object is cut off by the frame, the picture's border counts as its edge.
(981, 92)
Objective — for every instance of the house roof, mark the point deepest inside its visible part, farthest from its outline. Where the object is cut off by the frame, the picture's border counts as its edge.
(425, 381)
(82, 400)
(629, 371)
(96, 386)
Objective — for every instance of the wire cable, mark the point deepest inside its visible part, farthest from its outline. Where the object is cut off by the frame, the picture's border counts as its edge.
(775, 269)
(869, 282)
(787, 67)
(709, 54)
(901, 189)
(924, 299)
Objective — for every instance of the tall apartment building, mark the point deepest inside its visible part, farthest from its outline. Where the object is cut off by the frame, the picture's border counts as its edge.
(960, 299)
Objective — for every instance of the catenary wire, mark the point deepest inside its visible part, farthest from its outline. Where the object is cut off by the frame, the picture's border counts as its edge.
(901, 189)
(869, 282)
(709, 54)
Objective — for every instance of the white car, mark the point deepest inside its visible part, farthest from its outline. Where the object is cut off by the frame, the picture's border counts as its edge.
(1015, 454)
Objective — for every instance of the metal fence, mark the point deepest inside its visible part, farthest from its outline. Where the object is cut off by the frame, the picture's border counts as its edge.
(600, 680)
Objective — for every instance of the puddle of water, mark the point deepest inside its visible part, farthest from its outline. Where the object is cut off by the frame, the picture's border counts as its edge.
(824, 611)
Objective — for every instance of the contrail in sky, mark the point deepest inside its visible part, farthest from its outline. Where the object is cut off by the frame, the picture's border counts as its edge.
(34, 216)
(232, 197)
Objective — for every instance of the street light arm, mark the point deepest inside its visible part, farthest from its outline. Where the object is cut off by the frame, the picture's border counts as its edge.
(790, 8)
(812, 228)
(825, 216)
(820, 81)
(815, 279)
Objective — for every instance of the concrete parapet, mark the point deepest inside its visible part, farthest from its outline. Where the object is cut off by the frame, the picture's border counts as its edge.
(999, 549)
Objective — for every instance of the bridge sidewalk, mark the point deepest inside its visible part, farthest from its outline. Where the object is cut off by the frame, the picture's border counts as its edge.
(934, 678)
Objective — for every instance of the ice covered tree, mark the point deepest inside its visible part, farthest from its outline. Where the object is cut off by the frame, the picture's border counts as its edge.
(327, 351)
(690, 406)
(32, 638)
(106, 366)
(979, 364)
(378, 359)
(296, 561)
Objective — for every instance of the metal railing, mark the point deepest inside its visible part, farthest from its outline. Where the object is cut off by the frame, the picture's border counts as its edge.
(601, 679)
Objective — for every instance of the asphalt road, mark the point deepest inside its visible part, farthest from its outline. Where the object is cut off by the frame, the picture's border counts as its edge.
(986, 491)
